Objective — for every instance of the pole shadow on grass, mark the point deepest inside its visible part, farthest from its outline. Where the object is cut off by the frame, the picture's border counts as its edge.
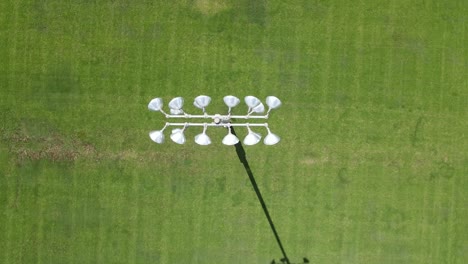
(243, 159)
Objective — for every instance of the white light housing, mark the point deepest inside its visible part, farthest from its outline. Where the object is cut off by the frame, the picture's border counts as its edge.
(157, 136)
(231, 101)
(176, 103)
(202, 101)
(203, 139)
(252, 101)
(176, 111)
(178, 136)
(271, 139)
(155, 104)
(252, 138)
(273, 102)
(230, 139)
(260, 108)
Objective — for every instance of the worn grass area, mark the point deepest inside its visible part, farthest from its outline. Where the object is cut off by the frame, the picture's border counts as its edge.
(372, 166)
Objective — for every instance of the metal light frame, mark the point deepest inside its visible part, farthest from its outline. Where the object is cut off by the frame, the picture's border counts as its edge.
(255, 107)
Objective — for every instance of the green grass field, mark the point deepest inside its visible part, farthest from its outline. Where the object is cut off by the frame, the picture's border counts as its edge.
(372, 166)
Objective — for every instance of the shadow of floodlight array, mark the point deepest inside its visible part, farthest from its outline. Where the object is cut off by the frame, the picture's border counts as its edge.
(243, 159)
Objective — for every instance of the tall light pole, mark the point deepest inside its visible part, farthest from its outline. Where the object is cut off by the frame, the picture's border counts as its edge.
(255, 110)
(255, 107)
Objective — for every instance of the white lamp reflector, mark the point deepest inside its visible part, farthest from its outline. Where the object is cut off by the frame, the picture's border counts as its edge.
(176, 111)
(155, 104)
(202, 101)
(259, 108)
(251, 101)
(178, 136)
(157, 136)
(252, 138)
(176, 103)
(271, 139)
(202, 139)
(230, 139)
(273, 102)
(231, 101)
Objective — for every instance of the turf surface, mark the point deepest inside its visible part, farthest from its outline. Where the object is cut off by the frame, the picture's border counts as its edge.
(372, 166)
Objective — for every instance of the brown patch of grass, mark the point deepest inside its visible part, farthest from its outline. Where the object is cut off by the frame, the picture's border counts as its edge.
(54, 148)
(312, 161)
(315, 158)
(211, 7)
(59, 148)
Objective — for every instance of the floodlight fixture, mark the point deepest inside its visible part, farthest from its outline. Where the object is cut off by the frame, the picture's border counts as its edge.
(176, 103)
(157, 136)
(203, 139)
(231, 101)
(202, 101)
(230, 139)
(176, 111)
(178, 135)
(260, 108)
(270, 138)
(255, 106)
(252, 138)
(252, 101)
(273, 102)
(155, 104)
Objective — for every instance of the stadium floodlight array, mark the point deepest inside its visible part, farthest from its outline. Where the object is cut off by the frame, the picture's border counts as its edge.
(255, 108)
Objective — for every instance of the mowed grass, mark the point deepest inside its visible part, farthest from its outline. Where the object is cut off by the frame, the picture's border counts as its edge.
(372, 166)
